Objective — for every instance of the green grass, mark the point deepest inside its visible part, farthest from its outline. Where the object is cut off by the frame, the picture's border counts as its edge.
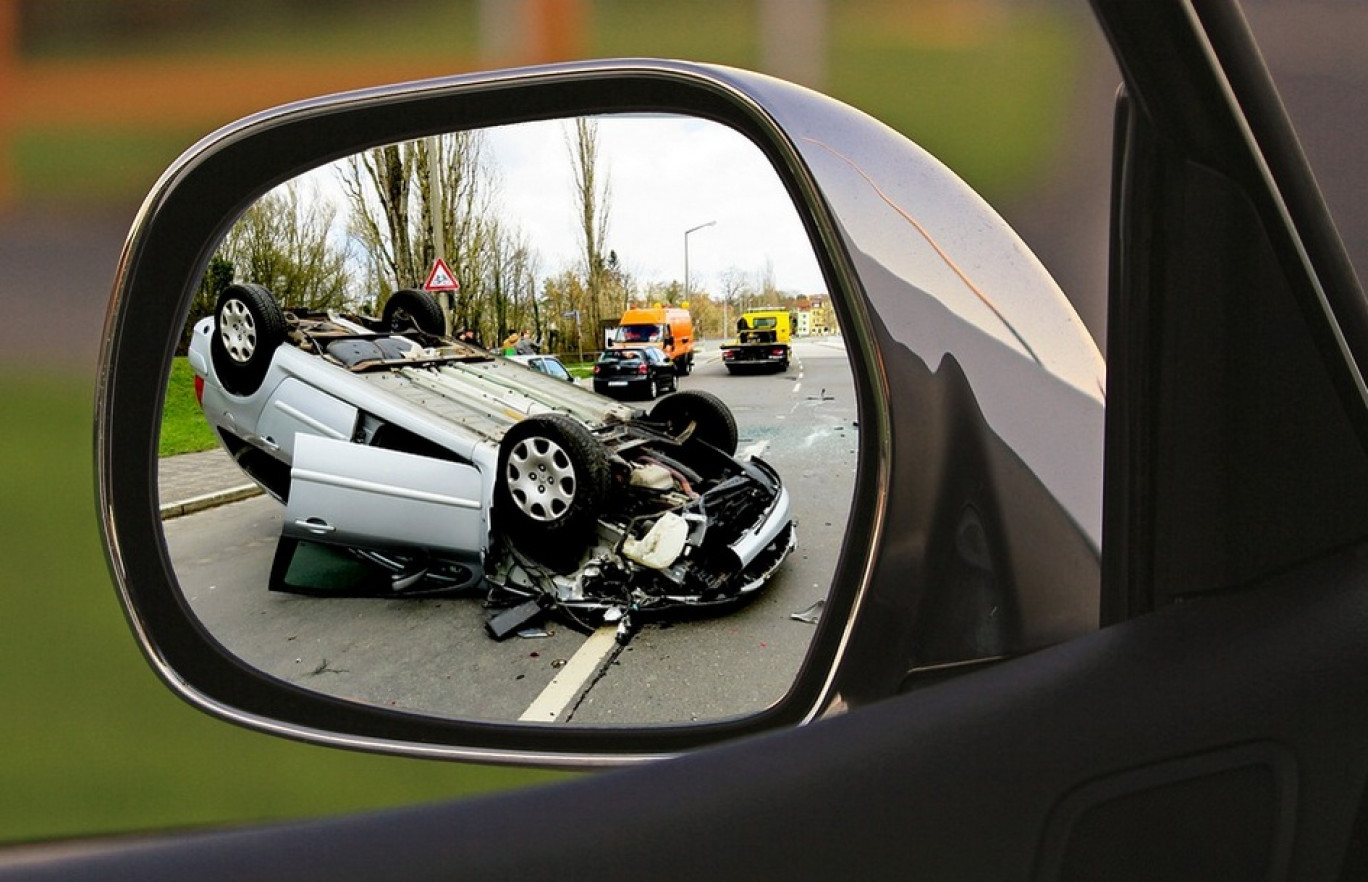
(184, 429)
(580, 370)
(91, 741)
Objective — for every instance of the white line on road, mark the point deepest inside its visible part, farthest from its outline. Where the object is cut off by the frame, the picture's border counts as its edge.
(566, 686)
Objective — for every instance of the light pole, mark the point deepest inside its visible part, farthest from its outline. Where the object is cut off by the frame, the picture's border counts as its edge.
(687, 293)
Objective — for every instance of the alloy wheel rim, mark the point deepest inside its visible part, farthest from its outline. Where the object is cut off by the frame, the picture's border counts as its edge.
(541, 479)
(238, 331)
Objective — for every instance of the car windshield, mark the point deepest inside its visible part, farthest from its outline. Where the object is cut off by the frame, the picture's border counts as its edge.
(620, 355)
(638, 334)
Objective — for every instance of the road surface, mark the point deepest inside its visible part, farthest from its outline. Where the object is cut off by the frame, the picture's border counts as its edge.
(434, 655)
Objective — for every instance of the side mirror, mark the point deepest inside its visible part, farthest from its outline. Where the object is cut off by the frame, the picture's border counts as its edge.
(932, 494)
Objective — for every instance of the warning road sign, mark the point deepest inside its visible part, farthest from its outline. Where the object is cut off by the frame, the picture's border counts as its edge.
(441, 278)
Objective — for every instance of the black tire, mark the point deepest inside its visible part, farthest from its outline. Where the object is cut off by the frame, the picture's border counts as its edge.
(551, 484)
(652, 389)
(248, 327)
(712, 419)
(410, 308)
(684, 366)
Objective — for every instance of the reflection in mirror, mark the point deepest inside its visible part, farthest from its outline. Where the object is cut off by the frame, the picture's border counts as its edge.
(390, 491)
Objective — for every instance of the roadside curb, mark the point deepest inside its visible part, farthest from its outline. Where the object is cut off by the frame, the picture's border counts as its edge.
(208, 500)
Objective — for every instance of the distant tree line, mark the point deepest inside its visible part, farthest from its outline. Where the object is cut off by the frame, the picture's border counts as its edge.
(404, 205)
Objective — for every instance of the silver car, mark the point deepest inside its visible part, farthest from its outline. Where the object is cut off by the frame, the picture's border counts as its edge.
(447, 468)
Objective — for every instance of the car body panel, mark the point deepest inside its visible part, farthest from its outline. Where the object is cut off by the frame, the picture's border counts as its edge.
(350, 494)
(459, 403)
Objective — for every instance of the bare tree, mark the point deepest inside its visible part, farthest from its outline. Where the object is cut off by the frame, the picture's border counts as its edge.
(737, 293)
(411, 203)
(592, 202)
(217, 276)
(285, 242)
(566, 299)
(378, 185)
(509, 287)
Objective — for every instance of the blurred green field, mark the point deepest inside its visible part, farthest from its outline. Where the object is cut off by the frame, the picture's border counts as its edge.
(985, 86)
(91, 741)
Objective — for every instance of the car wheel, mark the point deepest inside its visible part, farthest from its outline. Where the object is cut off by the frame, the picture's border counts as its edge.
(410, 308)
(651, 389)
(712, 419)
(248, 326)
(552, 482)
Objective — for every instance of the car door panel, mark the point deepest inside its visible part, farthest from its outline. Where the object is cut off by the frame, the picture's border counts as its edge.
(351, 494)
(297, 408)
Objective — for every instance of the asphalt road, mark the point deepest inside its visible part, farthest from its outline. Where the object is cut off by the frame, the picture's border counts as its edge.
(434, 656)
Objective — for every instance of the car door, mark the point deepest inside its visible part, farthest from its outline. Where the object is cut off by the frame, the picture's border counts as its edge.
(353, 495)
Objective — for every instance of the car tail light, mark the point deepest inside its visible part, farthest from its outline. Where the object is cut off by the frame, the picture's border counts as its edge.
(199, 389)
(642, 369)
(596, 370)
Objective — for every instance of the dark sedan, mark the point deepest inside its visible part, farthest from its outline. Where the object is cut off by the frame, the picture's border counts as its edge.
(641, 372)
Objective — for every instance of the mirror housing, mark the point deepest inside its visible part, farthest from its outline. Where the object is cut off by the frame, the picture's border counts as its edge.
(980, 397)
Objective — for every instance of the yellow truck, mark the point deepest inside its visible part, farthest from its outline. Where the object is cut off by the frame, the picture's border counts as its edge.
(762, 341)
(668, 328)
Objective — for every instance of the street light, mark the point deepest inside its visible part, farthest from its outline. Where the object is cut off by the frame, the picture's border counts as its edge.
(687, 293)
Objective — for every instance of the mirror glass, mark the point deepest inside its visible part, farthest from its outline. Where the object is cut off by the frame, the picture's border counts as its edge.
(550, 422)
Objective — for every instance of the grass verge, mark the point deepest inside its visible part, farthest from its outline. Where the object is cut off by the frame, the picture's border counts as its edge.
(183, 429)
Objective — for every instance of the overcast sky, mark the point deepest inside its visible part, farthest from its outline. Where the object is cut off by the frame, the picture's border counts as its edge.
(666, 175)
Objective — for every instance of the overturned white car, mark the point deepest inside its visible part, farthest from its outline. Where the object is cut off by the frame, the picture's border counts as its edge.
(446, 468)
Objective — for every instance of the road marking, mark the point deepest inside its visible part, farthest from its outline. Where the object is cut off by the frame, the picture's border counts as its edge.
(567, 685)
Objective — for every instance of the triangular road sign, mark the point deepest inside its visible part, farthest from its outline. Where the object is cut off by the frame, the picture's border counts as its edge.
(441, 278)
